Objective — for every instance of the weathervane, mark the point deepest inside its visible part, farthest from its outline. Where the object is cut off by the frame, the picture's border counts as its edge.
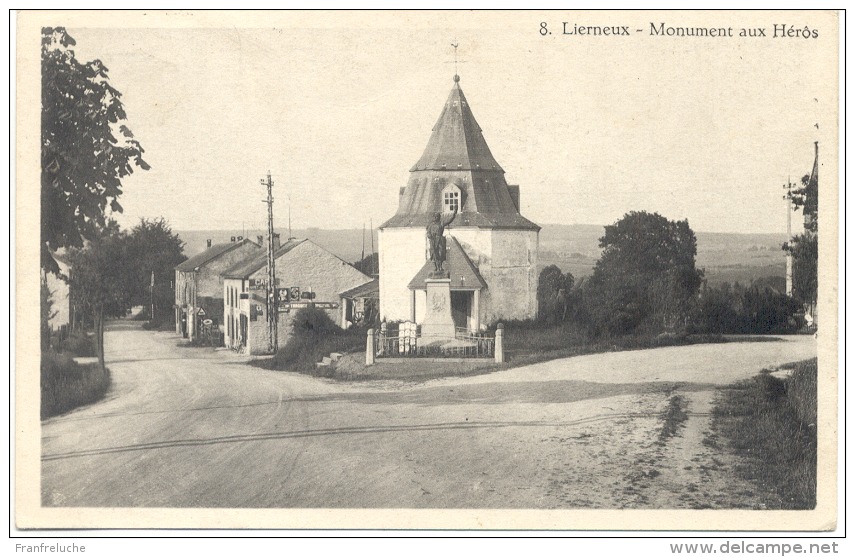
(455, 44)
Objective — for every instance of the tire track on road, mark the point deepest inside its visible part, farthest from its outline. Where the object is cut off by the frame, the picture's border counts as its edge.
(339, 431)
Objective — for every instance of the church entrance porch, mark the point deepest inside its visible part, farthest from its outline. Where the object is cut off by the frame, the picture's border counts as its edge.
(464, 310)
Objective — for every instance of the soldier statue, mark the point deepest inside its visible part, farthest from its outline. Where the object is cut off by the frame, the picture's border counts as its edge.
(435, 235)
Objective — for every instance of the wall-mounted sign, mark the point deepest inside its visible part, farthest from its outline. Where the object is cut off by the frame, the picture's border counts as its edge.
(259, 283)
(296, 305)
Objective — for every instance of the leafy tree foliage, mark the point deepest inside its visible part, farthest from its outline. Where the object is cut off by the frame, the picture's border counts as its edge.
(83, 160)
(806, 198)
(100, 283)
(369, 265)
(646, 275)
(154, 248)
(740, 310)
(47, 312)
(553, 294)
(805, 251)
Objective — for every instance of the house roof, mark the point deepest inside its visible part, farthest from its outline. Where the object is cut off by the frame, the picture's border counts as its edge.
(462, 272)
(370, 289)
(210, 254)
(246, 268)
(457, 154)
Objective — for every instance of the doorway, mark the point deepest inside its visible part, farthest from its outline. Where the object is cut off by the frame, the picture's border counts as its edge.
(461, 308)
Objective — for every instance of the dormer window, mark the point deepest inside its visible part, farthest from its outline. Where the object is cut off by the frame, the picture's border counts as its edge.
(450, 199)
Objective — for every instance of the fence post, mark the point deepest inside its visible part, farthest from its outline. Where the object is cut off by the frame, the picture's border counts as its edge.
(369, 348)
(498, 351)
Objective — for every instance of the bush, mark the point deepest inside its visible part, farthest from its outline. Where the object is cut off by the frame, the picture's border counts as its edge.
(315, 335)
(66, 385)
(735, 310)
(78, 344)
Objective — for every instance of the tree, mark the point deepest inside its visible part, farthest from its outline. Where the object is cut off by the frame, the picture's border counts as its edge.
(83, 161)
(804, 248)
(646, 273)
(553, 292)
(47, 312)
(806, 198)
(100, 284)
(805, 251)
(154, 248)
(369, 264)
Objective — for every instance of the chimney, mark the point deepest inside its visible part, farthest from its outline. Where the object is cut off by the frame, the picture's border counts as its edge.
(276, 241)
(209, 242)
(233, 238)
(240, 238)
(260, 240)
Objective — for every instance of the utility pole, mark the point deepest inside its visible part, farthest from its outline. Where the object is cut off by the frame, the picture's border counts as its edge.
(272, 309)
(151, 293)
(789, 188)
(371, 221)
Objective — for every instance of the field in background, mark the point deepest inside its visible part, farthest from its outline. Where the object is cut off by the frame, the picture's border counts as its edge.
(574, 248)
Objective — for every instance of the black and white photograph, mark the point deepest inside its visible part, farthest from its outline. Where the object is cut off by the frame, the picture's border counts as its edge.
(545, 270)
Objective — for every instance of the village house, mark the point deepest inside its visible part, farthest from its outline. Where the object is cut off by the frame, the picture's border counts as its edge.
(199, 285)
(492, 248)
(61, 317)
(359, 305)
(306, 274)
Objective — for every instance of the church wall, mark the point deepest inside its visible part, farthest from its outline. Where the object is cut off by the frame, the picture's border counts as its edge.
(507, 259)
(513, 275)
(402, 253)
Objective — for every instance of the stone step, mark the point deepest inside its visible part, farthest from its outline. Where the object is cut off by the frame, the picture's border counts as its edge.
(321, 364)
(335, 356)
(326, 361)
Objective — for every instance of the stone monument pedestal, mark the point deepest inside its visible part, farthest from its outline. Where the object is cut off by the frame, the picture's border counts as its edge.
(438, 324)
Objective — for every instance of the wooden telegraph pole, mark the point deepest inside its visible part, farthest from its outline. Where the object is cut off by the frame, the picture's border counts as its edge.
(272, 309)
(789, 272)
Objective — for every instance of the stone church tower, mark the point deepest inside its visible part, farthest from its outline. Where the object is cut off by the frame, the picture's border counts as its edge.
(492, 248)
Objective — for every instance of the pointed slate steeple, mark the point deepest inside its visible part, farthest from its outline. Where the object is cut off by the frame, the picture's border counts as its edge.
(456, 142)
(457, 154)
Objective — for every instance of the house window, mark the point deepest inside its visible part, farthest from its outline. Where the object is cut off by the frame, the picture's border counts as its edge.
(451, 200)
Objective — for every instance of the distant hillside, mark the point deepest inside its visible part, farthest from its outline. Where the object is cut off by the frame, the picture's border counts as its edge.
(574, 248)
(726, 257)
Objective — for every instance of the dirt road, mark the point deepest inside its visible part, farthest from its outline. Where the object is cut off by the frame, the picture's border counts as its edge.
(189, 427)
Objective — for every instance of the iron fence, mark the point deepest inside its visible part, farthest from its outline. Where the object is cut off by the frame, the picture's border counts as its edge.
(408, 342)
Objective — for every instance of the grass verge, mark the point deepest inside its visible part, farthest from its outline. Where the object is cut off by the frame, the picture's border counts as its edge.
(66, 385)
(526, 342)
(770, 424)
(674, 418)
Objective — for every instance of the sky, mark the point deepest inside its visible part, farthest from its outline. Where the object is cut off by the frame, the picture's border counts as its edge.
(590, 127)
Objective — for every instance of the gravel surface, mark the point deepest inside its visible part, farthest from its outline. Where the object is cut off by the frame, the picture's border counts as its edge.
(194, 427)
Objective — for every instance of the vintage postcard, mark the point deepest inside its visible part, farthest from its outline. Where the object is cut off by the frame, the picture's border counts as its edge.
(559, 270)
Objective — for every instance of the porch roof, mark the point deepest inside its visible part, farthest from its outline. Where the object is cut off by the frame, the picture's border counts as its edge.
(462, 272)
